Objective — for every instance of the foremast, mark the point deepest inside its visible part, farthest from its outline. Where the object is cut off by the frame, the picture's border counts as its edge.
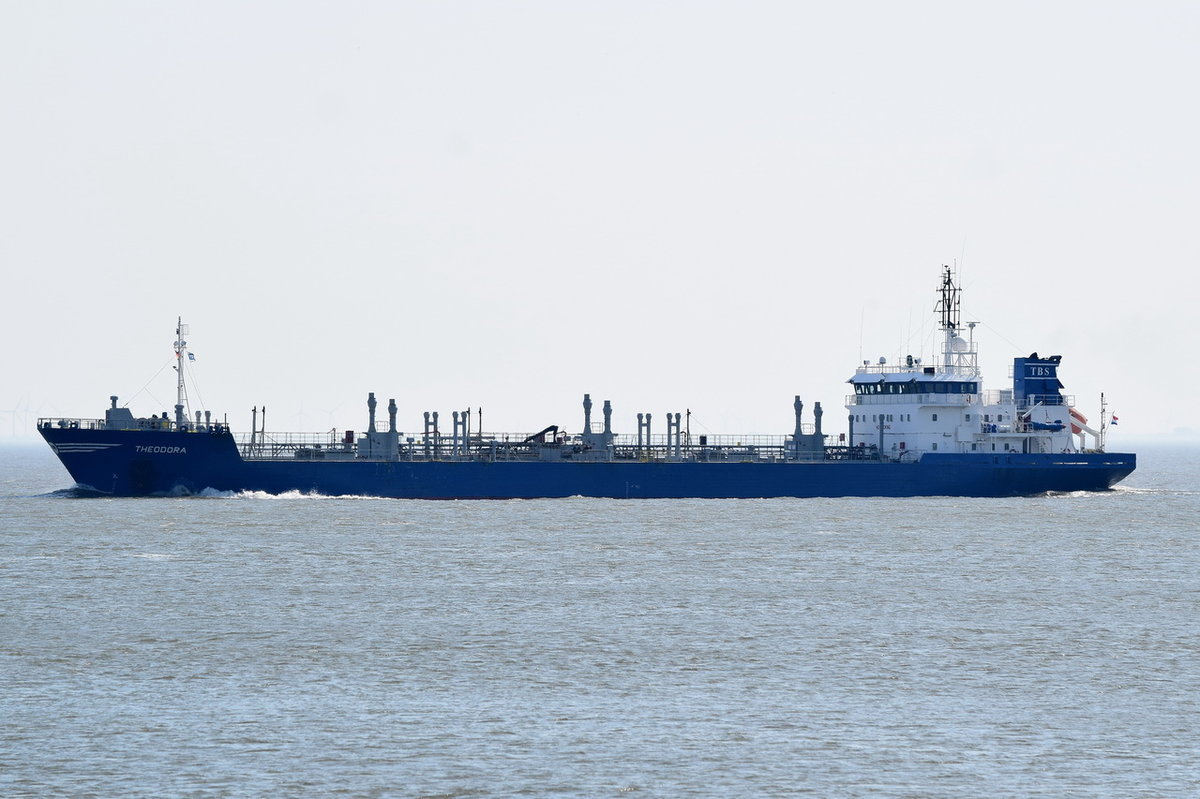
(182, 408)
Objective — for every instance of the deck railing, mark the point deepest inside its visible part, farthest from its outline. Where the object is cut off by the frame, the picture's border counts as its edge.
(152, 424)
(524, 446)
(335, 445)
(991, 397)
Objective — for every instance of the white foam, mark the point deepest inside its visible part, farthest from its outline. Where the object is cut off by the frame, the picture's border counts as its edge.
(212, 493)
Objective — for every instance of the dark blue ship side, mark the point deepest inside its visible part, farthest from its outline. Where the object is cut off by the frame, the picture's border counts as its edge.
(157, 463)
(913, 430)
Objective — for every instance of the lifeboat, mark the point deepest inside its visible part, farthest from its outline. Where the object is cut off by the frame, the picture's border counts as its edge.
(1076, 416)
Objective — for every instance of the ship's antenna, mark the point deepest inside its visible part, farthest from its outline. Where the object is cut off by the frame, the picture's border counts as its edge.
(958, 356)
(948, 303)
(949, 318)
(862, 321)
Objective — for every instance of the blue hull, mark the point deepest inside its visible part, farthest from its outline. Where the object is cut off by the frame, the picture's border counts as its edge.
(152, 463)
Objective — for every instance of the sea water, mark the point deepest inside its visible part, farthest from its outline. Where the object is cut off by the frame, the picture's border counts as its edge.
(247, 645)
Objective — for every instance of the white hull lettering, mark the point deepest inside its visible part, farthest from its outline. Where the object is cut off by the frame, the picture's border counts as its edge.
(162, 450)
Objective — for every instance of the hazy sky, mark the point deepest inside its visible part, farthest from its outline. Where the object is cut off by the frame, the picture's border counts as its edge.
(672, 205)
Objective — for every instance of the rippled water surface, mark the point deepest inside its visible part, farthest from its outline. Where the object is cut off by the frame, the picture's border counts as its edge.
(292, 646)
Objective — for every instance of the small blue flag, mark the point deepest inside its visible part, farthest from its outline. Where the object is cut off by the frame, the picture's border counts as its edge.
(191, 356)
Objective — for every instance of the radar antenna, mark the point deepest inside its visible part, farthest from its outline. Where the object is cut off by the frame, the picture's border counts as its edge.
(959, 356)
(948, 302)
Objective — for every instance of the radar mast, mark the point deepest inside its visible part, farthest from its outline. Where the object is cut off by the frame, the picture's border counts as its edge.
(948, 304)
(959, 356)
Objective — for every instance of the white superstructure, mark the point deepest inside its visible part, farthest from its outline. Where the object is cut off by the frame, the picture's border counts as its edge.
(905, 410)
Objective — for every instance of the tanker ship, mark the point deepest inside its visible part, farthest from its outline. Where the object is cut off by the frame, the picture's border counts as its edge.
(912, 429)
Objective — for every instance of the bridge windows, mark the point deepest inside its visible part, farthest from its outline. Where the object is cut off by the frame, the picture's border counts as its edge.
(918, 387)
